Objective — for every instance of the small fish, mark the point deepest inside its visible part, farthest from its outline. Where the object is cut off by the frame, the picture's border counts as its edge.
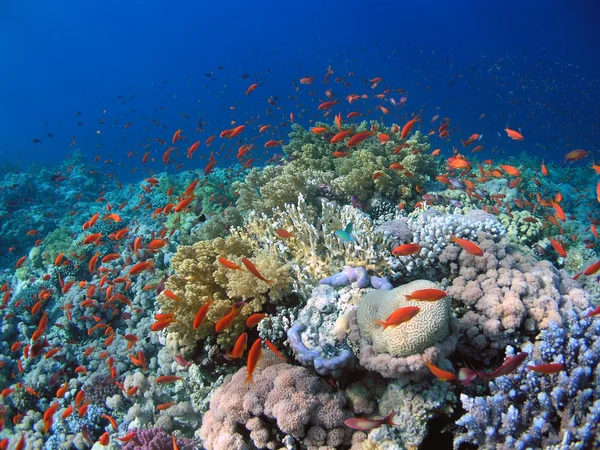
(166, 379)
(345, 234)
(254, 271)
(362, 424)
(509, 366)
(468, 246)
(229, 264)
(426, 295)
(406, 249)
(592, 269)
(240, 347)
(284, 234)
(254, 355)
(254, 319)
(399, 316)
(547, 368)
(515, 135)
(558, 247)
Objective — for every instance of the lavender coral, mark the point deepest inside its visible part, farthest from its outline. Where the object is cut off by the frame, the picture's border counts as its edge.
(285, 404)
(527, 409)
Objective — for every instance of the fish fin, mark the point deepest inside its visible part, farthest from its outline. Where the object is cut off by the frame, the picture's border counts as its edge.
(270, 282)
(453, 238)
(249, 379)
(382, 323)
(348, 228)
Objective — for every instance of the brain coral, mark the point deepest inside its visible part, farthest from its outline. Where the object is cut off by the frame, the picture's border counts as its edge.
(430, 325)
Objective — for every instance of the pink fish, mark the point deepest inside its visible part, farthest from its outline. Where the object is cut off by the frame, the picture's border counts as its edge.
(509, 366)
(359, 423)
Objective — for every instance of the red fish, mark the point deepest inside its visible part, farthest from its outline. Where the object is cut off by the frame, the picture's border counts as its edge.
(240, 346)
(509, 366)
(406, 249)
(558, 247)
(407, 128)
(547, 368)
(166, 379)
(427, 295)
(362, 424)
(468, 246)
(254, 271)
(358, 138)
(251, 88)
(576, 155)
(399, 316)
(514, 135)
(254, 356)
(592, 269)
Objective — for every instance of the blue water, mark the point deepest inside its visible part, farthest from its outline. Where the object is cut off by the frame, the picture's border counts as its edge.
(529, 64)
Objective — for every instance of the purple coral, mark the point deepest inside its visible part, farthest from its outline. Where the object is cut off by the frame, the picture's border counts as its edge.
(157, 439)
(519, 410)
(505, 295)
(284, 400)
(334, 364)
(358, 275)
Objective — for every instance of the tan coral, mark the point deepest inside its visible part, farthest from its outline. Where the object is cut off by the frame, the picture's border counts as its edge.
(429, 326)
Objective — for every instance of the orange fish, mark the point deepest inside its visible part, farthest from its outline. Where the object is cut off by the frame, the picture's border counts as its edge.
(511, 170)
(318, 130)
(560, 214)
(358, 138)
(598, 191)
(576, 155)
(254, 271)
(254, 356)
(326, 105)
(225, 322)
(468, 246)
(141, 267)
(240, 347)
(166, 379)
(406, 249)
(251, 88)
(439, 373)
(515, 135)
(339, 137)
(544, 170)
(426, 295)
(272, 143)
(407, 128)
(201, 314)
(229, 264)
(176, 136)
(254, 319)
(558, 247)
(592, 269)
(399, 316)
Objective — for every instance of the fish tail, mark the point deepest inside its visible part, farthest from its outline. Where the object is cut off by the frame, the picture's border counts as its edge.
(249, 379)
(453, 238)
(389, 419)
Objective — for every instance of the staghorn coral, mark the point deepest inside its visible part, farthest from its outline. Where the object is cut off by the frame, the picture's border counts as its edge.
(199, 277)
(284, 404)
(532, 410)
(402, 350)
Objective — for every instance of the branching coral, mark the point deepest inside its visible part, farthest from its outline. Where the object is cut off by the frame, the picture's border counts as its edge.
(314, 250)
(527, 409)
(199, 277)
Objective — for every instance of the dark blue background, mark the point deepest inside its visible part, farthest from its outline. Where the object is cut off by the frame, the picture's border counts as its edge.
(531, 65)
